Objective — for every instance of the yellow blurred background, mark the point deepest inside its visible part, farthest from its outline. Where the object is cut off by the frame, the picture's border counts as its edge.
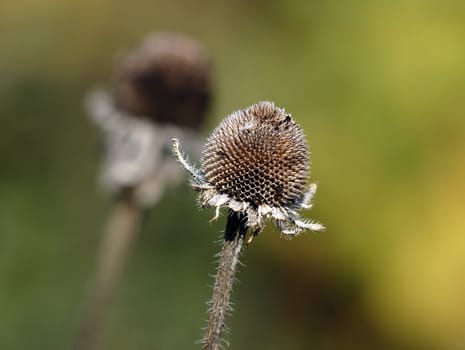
(379, 88)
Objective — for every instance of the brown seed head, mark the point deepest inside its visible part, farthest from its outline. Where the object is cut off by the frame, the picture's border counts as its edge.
(258, 155)
(166, 79)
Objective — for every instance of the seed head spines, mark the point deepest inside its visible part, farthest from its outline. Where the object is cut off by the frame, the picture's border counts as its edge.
(258, 155)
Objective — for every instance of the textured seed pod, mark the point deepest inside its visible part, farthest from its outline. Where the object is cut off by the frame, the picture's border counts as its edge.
(166, 79)
(258, 155)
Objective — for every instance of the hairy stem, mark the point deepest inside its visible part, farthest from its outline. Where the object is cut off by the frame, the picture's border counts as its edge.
(236, 228)
(119, 235)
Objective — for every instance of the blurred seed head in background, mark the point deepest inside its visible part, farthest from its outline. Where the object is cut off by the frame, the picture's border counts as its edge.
(161, 89)
(167, 79)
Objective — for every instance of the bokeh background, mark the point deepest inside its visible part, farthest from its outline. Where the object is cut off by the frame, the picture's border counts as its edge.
(379, 87)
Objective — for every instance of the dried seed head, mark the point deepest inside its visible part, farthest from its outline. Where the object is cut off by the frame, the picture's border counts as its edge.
(166, 79)
(256, 164)
(258, 155)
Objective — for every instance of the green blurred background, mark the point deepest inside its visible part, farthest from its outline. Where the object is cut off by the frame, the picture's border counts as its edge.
(379, 87)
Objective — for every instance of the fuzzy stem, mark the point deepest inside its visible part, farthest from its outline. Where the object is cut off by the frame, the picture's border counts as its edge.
(119, 235)
(236, 228)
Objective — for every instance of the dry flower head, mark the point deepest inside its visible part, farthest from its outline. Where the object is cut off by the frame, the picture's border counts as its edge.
(161, 90)
(256, 162)
(167, 79)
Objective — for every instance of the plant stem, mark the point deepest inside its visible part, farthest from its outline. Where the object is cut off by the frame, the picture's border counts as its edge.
(236, 229)
(119, 235)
